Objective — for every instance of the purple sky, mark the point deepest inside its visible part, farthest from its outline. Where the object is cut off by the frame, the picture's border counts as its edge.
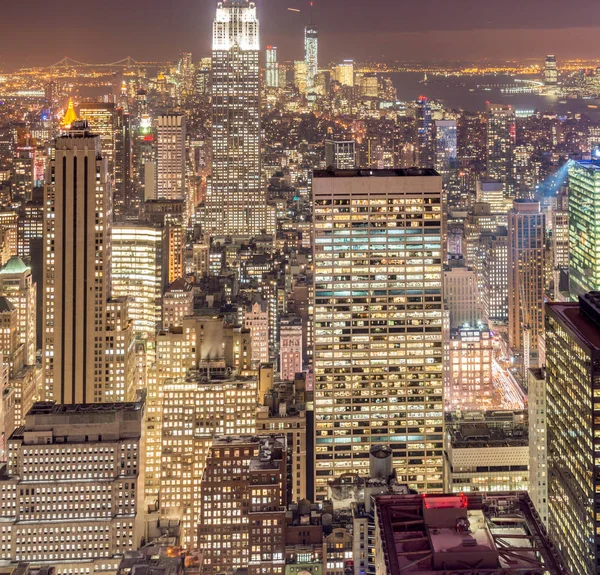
(37, 32)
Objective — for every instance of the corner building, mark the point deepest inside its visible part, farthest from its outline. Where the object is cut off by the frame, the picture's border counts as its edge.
(378, 306)
(573, 431)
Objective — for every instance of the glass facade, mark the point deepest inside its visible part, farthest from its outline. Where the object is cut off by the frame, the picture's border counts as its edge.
(378, 310)
(584, 227)
(573, 396)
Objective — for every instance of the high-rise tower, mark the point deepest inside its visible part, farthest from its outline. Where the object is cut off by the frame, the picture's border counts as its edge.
(85, 333)
(501, 140)
(551, 71)
(311, 54)
(236, 201)
(272, 76)
(425, 134)
(378, 314)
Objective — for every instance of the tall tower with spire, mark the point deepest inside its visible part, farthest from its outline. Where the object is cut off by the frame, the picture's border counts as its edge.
(236, 201)
(311, 51)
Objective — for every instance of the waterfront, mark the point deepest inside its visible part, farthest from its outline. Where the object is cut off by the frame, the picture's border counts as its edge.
(472, 92)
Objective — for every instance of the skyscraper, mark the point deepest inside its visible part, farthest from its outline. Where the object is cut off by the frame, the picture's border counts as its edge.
(572, 402)
(551, 71)
(445, 147)
(378, 308)
(340, 155)
(85, 503)
(139, 272)
(344, 73)
(272, 77)
(584, 223)
(526, 268)
(79, 328)
(170, 158)
(123, 194)
(311, 54)
(236, 202)
(501, 141)
(426, 146)
(101, 119)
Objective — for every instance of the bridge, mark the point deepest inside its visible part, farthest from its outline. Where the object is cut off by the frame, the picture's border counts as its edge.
(128, 62)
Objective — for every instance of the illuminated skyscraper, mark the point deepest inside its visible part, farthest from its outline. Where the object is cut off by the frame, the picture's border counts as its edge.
(572, 404)
(584, 224)
(340, 155)
(236, 202)
(82, 325)
(311, 54)
(378, 309)
(445, 147)
(426, 146)
(272, 78)
(17, 285)
(170, 158)
(101, 119)
(139, 272)
(526, 268)
(501, 140)
(344, 73)
(86, 501)
(551, 71)
(123, 197)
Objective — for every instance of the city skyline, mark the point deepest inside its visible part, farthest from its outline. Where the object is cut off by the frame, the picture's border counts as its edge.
(362, 30)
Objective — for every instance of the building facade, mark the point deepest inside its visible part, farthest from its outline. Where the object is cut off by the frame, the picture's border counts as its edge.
(378, 322)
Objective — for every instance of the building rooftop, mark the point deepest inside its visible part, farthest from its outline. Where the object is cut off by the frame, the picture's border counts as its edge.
(499, 533)
(387, 173)
(580, 326)
(52, 408)
(14, 265)
(5, 305)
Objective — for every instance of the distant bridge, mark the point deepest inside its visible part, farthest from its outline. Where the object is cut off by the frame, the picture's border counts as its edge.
(128, 62)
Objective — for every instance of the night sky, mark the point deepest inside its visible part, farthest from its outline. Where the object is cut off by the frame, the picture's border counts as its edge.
(36, 32)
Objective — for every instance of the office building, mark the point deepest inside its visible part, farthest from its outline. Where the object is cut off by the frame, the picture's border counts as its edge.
(272, 76)
(195, 410)
(83, 508)
(123, 200)
(344, 73)
(386, 340)
(487, 452)
(426, 144)
(139, 272)
(301, 76)
(469, 382)
(340, 154)
(311, 55)
(446, 147)
(526, 268)
(234, 521)
(79, 328)
(30, 228)
(235, 201)
(256, 319)
(170, 157)
(461, 533)
(538, 441)
(461, 294)
(290, 347)
(501, 141)
(551, 71)
(18, 287)
(491, 192)
(572, 360)
(494, 278)
(584, 220)
(102, 121)
(177, 304)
